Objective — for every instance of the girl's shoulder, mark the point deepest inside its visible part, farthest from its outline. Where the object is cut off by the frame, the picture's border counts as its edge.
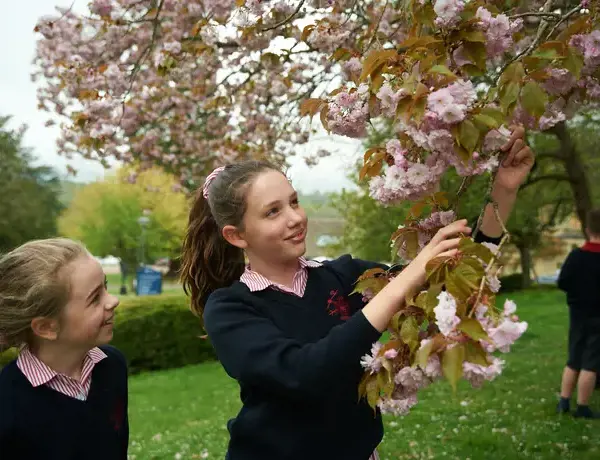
(114, 355)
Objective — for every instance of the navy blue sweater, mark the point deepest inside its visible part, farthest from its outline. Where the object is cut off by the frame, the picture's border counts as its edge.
(41, 423)
(580, 279)
(297, 361)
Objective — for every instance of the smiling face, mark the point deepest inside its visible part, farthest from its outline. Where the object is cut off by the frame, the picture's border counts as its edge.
(274, 224)
(87, 319)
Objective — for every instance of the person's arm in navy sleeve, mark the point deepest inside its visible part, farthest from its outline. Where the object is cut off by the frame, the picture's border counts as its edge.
(566, 272)
(253, 350)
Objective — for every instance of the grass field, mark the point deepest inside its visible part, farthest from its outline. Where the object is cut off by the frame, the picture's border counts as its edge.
(181, 414)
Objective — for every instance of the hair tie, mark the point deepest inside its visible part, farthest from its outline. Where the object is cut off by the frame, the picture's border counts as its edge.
(211, 177)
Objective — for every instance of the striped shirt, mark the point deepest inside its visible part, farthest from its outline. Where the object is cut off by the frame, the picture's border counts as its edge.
(39, 373)
(257, 282)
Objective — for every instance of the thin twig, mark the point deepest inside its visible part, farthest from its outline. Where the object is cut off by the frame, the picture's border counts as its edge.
(286, 20)
(524, 15)
(376, 27)
(566, 17)
(530, 48)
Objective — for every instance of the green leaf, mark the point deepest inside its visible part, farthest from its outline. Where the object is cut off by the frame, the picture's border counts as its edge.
(458, 287)
(474, 353)
(473, 329)
(373, 393)
(515, 73)
(473, 36)
(442, 70)
(431, 299)
(409, 332)
(452, 364)
(485, 122)
(534, 99)
(468, 135)
(386, 383)
(509, 94)
(494, 113)
(469, 247)
(423, 353)
(573, 62)
(437, 270)
(549, 54)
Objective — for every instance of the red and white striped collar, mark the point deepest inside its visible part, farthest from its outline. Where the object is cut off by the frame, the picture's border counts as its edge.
(257, 282)
(38, 373)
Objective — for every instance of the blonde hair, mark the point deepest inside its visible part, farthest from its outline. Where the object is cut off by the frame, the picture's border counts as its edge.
(33, 283)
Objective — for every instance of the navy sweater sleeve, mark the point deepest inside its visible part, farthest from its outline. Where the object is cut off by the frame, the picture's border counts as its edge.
(254, 351)
(567, 271)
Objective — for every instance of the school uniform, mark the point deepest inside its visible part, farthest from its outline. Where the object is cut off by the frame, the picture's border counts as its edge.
(580, 279)
(296, 356)
(50, 416)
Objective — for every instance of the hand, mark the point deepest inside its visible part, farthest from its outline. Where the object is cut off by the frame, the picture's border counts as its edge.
(517, 163)
(443, 244)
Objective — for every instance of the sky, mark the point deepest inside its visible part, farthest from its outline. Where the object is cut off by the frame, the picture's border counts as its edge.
(18, 99)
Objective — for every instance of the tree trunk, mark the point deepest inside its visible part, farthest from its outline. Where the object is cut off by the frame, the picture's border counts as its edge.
(526, 264)
(575, 169)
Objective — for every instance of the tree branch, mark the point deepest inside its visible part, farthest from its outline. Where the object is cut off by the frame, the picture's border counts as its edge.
(530, 48)
(555, 177)
(286, 20)
(566, 16)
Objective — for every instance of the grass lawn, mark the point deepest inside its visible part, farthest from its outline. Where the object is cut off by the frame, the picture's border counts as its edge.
(182, 413)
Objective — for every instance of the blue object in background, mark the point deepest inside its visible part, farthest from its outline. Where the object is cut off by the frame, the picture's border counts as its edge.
(148, 282)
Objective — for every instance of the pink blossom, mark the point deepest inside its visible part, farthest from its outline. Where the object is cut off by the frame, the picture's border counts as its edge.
(476, 374)
(390, 354)
(510, 307)
(507, 333)
(498, 31)
(398, 405)
(389, 99)
(448, 12)
(352, 67)
(560, 82)
(493, 283)
(373, 361)
(101, 7)
(411, 378)
(495, 139)
(433, 369)
(445, 313)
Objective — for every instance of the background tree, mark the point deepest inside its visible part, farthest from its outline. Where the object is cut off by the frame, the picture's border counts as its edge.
(104, 215)
(30, 193)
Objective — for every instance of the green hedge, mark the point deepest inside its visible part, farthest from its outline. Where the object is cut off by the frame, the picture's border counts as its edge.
(155, 332)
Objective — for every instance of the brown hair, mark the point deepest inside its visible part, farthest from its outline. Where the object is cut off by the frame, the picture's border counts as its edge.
(208, 261)
(593, 223)
(32, 284)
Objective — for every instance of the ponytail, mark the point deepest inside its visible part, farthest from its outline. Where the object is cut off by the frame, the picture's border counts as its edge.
(208, 261)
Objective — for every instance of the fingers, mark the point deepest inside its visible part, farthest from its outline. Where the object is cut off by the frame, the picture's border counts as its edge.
(459, 226)
(450, 253)
(447, 245)
(525, 155)
(518, 133)
(514, 151)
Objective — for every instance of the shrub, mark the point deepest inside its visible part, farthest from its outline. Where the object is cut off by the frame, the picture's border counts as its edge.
(511, 283)
(155, 332)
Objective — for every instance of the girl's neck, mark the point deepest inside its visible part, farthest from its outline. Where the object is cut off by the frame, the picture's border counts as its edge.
(61, 359)
(282, 273)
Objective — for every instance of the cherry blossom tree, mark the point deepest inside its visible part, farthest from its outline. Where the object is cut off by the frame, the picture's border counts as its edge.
(189, 85)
